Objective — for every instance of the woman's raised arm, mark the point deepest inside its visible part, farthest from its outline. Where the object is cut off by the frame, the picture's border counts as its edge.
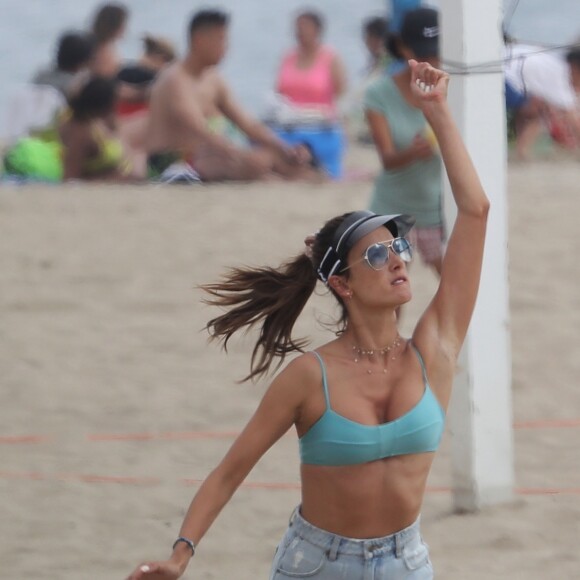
(445, 322)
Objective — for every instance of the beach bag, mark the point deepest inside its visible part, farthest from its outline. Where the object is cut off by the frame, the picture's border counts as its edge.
(35, 159)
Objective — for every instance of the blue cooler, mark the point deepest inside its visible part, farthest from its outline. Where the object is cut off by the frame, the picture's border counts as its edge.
(326, 141)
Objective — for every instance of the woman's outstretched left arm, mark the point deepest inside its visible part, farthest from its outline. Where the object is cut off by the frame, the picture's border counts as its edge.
(442, 329)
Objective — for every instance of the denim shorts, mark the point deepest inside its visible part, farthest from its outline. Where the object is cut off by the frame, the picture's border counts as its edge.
(309, 552)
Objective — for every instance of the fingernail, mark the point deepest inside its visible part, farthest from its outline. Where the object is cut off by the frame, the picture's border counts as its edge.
(145, 568)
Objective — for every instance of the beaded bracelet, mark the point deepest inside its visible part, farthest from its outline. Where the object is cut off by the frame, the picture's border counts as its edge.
(185, 541)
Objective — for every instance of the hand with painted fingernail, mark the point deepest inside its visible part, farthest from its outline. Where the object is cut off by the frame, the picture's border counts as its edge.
(428, 84)
(167, 570)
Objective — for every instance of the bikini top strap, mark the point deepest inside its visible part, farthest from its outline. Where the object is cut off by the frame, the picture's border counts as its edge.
(324, 380)
(423, 369)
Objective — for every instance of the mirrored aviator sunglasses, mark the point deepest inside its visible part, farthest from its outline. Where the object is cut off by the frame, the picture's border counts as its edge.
(377, 255)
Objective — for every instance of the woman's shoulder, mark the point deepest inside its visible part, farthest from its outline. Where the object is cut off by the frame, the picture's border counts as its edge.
(305, 366)
(294, 384)
(302, 372)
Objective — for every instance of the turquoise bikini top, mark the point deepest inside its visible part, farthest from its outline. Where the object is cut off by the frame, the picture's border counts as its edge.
(336, 440)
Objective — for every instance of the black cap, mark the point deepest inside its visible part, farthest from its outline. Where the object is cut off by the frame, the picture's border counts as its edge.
(420, 32)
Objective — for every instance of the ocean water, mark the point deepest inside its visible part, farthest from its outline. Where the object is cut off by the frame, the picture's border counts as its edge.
(260, 32)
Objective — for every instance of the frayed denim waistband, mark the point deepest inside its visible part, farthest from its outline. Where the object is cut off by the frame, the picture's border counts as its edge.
(340, 545)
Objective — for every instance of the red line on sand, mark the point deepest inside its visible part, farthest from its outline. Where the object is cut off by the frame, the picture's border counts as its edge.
(85, 478)
(14, 439)
(188, 435)
(191, 435)
(548, 491)
(548, 424)
(252, 484)
(167, 436)
(259, 485)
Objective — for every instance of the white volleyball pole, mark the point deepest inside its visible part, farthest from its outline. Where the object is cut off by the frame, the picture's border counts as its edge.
(481, 408)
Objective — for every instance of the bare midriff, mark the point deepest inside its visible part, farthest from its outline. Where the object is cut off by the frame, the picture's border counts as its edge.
(370, 500)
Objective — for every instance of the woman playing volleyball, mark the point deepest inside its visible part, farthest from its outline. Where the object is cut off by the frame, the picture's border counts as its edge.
(368, 406)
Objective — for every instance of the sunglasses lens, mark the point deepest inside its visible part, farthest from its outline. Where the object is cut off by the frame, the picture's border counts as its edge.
(403, 249)
(377, 256)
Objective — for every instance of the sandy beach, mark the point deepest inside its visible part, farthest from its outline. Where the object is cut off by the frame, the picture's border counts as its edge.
(114, 407)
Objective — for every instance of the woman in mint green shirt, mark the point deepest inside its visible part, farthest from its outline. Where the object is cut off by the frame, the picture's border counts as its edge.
(410, 181)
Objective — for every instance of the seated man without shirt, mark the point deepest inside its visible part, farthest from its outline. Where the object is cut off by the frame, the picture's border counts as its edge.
(191, 106)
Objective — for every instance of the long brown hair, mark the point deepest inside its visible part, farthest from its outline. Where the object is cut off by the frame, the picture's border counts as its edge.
(272, 298)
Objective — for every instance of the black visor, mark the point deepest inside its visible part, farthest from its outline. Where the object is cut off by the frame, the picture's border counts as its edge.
(353, 228)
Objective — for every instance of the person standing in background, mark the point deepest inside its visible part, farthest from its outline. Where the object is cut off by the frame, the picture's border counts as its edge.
(311, 75)
(108, 28)
(410, 180)
(375, 31)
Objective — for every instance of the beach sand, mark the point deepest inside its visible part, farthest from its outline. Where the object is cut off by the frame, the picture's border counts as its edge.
(114, 407)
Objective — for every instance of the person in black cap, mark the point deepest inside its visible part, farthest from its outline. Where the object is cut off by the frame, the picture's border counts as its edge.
(410, 180)
(368, 406)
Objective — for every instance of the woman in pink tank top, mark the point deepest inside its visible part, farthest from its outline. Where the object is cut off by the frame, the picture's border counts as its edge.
(311, 75)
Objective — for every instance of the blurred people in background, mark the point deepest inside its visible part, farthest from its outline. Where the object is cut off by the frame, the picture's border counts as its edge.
(310, 81)
(410, 180)
(312, 75)
(540, 97)
(573, 60)
(193, 111)
(74, 55)
(82, 143)
(375, 32)
(108, 27)
(91, 147)
(135, 79)
(398, 11)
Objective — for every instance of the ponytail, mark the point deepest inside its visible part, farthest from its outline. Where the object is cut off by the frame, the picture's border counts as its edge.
(393, 46)
(271, 297)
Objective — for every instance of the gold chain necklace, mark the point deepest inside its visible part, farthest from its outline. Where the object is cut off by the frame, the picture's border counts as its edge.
(385, 351)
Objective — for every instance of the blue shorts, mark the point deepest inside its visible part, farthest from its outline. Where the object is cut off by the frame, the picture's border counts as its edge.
(513, 98)
(309, 552)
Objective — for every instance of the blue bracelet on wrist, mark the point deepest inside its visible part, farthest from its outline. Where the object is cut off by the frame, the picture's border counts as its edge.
(185, 541)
